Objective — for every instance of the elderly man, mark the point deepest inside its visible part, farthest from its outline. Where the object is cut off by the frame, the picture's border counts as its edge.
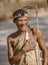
(24, 45)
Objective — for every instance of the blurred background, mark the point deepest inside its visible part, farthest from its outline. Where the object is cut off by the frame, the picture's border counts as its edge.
(7, 7)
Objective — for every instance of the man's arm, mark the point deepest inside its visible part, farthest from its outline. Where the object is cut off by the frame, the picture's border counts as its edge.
(13, 59)
(42, 45)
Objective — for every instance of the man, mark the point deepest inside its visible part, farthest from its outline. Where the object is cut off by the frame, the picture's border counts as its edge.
(25, 44)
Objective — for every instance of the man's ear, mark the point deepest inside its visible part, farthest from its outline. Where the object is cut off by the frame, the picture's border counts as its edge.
(14, 20)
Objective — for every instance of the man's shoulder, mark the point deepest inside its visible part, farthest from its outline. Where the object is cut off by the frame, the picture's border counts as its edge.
(35, 30)
(13, 35)
(38, 33)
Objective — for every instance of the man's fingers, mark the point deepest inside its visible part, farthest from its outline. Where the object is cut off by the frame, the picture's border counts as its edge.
(33, 46)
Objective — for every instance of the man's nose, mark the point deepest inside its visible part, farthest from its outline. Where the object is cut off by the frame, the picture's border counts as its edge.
(23, 21)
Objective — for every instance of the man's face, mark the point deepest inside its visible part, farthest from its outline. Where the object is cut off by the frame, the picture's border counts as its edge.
(22, 23)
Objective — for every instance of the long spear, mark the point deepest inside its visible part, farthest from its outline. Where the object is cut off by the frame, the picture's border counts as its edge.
(37, 21)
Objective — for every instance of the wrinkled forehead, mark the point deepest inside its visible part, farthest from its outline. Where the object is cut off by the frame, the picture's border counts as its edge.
(23, 18)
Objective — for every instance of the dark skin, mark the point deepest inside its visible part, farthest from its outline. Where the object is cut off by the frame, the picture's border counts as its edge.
(22, 24)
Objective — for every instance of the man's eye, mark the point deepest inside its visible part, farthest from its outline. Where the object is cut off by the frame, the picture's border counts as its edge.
(19, 20)
(25, 19)
(22, 20)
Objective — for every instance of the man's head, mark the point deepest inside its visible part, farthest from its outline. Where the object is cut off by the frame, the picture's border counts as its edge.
(21, 19)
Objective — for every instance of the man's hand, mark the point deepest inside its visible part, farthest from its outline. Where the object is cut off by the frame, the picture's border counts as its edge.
(29, 46)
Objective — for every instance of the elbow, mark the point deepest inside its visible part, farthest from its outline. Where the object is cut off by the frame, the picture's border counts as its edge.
(11, 61)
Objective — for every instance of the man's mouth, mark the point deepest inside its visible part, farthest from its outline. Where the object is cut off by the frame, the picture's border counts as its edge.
(22, 27)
